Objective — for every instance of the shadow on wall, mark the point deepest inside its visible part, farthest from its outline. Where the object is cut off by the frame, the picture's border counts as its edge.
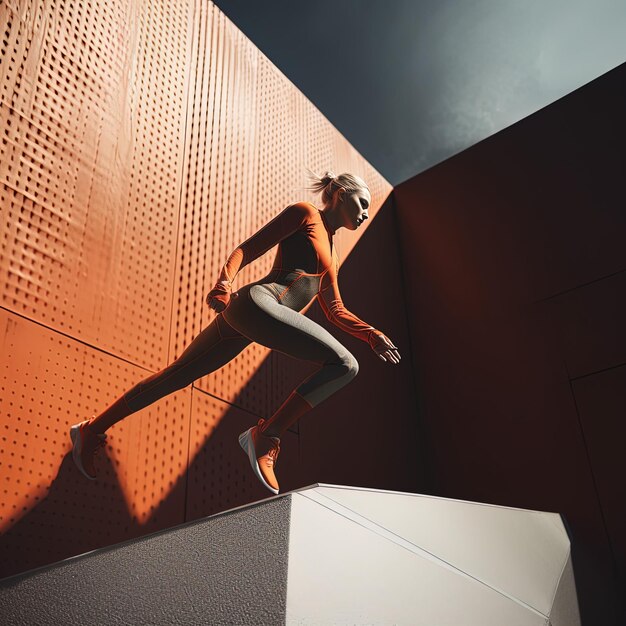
(44, 535)
(339, 441)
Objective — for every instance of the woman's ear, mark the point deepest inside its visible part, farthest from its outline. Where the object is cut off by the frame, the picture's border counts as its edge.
(336, 197)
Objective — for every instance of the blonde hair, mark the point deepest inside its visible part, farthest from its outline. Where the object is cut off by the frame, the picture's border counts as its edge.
(329, 183)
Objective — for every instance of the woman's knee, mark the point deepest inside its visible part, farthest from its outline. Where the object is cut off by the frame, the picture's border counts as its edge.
(350, 365)
(168, 380)
(354, 366)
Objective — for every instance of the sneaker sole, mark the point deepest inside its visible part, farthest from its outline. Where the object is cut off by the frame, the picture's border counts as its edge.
(245, 441)
(77, 443)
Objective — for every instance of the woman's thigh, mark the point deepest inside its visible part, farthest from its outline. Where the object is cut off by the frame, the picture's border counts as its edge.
(257, 315)
(212, 348)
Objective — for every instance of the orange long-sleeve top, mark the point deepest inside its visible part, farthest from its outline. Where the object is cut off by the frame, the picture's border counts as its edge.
(306, 265)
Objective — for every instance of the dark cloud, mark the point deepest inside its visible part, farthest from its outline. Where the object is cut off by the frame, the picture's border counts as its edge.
(411, 82)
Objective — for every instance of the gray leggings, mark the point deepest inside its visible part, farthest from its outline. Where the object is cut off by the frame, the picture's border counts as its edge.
(254, 314)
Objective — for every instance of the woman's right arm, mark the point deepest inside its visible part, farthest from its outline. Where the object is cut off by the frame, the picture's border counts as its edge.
(288, 221)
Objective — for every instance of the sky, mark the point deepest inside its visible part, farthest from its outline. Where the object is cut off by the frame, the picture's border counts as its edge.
(410, 83)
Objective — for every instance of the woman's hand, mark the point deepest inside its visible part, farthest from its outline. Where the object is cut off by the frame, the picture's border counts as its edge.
(383, 347)
(219, 297)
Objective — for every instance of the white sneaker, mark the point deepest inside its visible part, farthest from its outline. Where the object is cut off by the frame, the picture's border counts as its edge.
(85, 444)
(262, 451)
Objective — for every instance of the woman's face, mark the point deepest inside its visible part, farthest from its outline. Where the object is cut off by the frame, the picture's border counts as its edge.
(355, 207)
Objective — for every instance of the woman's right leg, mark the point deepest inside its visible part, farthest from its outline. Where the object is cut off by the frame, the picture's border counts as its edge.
(210, 350)
(258, 315)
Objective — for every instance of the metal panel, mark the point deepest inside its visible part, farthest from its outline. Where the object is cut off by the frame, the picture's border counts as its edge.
(92, 110)
(141, 143)
(48, 510)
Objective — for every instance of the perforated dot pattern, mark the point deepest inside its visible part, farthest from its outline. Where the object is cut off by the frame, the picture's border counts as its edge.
(49, 511)
(141, 142)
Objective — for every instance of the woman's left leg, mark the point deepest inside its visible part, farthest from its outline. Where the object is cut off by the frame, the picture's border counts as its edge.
(210, 350)
(213, 347)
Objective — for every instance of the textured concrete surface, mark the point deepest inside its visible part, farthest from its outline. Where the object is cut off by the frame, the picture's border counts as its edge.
(227, 569)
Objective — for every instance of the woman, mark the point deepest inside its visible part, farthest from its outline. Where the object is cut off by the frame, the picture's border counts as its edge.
(268, 312)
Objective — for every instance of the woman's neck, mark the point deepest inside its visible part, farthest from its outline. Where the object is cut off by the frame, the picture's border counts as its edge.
(332, 218)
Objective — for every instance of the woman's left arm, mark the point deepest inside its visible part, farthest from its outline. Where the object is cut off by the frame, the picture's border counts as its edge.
(331, 302)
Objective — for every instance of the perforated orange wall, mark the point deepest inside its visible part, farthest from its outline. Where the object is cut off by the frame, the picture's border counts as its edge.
(141, 143)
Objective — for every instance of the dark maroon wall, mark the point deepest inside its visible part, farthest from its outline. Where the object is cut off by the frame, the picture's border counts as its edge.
(515, 267)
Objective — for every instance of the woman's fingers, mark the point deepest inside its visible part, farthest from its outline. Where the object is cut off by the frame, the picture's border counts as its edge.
(391, 352)
(215, 304)
(389, 343)
(392, 355)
